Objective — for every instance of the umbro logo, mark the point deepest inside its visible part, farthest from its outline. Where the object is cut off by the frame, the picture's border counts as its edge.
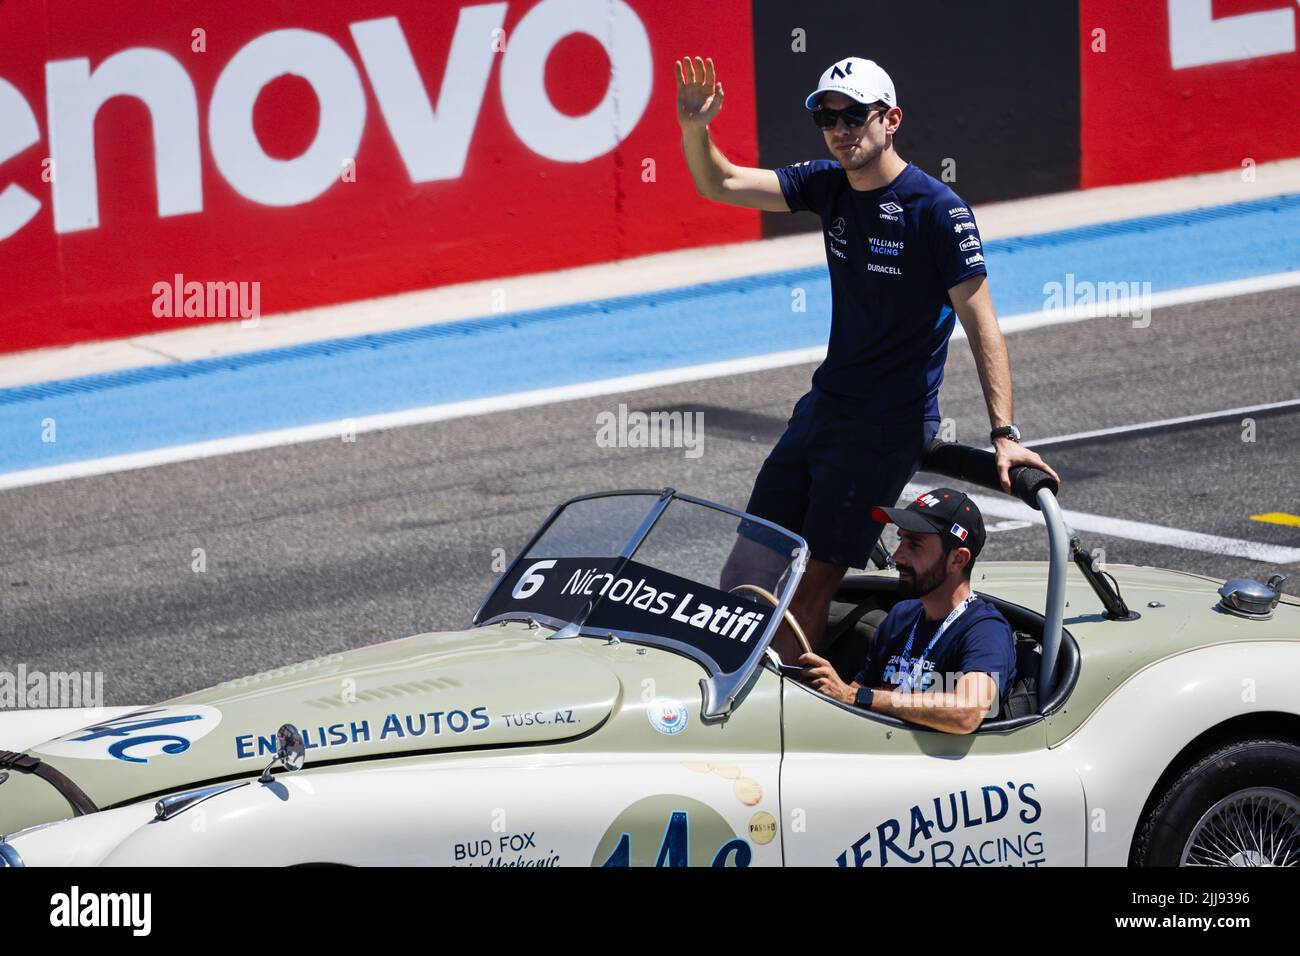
(892, 208)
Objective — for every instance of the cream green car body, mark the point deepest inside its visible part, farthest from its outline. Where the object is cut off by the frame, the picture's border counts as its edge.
(566, 746)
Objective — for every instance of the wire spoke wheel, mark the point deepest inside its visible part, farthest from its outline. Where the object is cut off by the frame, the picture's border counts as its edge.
(1255, 827)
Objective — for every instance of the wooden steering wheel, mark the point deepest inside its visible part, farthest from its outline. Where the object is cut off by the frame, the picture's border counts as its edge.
(787, 617)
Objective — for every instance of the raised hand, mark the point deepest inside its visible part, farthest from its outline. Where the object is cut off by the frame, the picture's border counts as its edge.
(699, 94)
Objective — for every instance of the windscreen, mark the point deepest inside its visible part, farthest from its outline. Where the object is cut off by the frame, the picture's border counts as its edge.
(683, 579)
(676, 589)
(585, 537)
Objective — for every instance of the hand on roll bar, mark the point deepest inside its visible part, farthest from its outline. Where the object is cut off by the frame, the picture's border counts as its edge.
(1011, 454)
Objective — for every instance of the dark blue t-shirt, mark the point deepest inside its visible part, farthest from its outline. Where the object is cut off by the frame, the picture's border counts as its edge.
(893, 254)
(980, 640)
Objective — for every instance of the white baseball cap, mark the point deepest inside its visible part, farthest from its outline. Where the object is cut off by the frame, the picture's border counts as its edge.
(860, 79)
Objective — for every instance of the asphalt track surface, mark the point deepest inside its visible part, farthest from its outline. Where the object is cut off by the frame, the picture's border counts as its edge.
(320, 547)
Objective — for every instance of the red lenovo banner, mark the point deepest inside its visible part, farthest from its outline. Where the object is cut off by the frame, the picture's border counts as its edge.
(1171, 87)
(319, 153)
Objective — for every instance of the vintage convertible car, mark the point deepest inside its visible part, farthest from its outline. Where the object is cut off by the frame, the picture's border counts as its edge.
(613, 703)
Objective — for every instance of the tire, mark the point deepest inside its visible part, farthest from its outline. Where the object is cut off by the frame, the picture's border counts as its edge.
(1238, 805)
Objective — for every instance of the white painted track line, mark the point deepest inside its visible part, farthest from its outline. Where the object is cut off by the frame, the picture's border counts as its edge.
(499, 403)
(413, 416)
(1121, 307)
(997, 507)
(1009, 508)
(1164, 423)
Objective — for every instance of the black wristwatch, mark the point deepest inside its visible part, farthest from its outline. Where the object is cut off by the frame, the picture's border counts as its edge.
(1006, 431)
(863, 698)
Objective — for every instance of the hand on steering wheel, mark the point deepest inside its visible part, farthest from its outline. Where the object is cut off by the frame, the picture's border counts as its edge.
(787, 616)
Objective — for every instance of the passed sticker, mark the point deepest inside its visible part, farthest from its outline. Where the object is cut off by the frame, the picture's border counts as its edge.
(666, 715)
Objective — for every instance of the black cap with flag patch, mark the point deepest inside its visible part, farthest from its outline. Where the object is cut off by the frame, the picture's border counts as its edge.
(943, 511)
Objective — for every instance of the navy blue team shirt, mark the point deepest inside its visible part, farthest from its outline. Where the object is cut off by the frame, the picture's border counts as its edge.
(893, 253)
(979, 641)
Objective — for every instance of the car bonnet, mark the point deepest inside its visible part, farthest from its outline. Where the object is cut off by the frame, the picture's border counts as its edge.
(497, 686)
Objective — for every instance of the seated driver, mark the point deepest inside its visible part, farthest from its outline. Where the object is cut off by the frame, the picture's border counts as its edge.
(944, 657)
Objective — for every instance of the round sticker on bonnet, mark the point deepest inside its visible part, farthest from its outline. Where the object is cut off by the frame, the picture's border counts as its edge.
(137, 737)
(666, 715)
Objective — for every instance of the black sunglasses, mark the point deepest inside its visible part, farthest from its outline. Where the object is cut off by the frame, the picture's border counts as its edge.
(826, 118)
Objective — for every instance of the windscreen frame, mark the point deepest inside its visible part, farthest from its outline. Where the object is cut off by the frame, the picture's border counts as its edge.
(721, 688)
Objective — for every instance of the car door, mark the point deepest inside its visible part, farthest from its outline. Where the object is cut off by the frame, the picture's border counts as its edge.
(856, 791)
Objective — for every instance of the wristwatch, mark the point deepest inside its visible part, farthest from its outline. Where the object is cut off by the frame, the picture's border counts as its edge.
(863, 698)
(1006, 431)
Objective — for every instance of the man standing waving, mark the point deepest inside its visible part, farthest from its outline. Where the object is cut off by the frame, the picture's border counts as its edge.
(904, 255)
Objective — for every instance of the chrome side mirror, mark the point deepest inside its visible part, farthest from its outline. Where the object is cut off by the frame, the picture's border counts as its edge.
(291, 752)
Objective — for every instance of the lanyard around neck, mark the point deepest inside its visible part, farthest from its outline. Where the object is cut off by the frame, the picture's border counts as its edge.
(952, 616)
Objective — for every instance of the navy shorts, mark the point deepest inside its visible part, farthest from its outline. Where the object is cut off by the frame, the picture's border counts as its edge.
(830, 468)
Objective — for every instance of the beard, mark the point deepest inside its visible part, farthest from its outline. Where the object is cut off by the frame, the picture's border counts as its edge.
(920, 583)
